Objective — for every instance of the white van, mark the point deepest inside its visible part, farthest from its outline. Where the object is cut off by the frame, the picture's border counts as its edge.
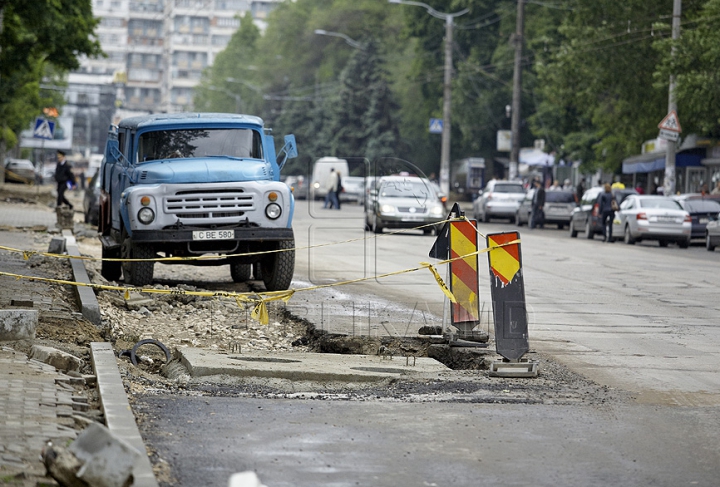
(321, 173)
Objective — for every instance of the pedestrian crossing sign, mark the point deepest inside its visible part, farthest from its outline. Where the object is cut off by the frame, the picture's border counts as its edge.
(44, 129)
(436, 125)
(670, 123)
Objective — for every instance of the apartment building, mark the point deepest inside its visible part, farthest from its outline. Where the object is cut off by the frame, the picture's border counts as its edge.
(157, 49)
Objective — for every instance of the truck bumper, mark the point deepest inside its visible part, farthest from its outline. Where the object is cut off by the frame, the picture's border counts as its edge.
(241, 235)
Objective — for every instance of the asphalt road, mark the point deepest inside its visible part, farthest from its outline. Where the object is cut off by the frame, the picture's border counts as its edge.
(641, 319)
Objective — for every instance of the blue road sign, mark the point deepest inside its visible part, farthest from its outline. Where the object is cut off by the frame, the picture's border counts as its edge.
(44, 129)
(436, 125)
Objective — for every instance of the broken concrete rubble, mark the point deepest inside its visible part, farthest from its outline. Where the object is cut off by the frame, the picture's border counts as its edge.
(57, 358)
(18, 324)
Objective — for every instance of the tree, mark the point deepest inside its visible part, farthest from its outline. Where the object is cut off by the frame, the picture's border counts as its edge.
(696, 64)
(37, 38)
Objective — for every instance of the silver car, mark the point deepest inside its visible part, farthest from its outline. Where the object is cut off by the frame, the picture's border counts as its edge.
(499, 199)
(712, 232)
(559, 206)
(647, 217)
(403, 202)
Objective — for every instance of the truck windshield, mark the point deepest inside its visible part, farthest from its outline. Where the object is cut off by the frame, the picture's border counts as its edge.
(168, 144)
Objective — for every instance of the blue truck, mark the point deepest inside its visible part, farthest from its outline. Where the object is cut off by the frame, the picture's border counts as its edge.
(201, 187)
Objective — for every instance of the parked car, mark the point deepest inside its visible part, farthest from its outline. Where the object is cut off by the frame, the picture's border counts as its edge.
(712, 232)
(499, 199)
(649, 217)
(353, 189)
(586, 216)
(298, 186)
(558, 208)
(701, 208)
(91, 200)
(403, 202)
(19, 171)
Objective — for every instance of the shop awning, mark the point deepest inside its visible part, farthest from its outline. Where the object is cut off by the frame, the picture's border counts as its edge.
(655, 161)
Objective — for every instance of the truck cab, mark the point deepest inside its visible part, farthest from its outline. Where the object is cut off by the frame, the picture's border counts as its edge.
(202, 188)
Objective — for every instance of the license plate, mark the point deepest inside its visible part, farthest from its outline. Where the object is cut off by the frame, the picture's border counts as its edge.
(214, 235)
(702, 220)
(667, 219)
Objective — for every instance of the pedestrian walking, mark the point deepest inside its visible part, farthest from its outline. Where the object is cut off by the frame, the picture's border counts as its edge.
(338, 189)
(331, 198)
(580, 191)
(537, 213)
(64, 178)
(608, 206)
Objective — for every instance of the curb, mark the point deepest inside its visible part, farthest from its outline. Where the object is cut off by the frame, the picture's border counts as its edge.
(85, 295)
(119, 417)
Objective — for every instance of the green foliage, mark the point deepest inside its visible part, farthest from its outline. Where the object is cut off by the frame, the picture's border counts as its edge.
(39, 38)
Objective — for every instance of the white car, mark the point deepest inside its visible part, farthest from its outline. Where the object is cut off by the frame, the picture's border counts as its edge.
(648, 217)
(499, 199)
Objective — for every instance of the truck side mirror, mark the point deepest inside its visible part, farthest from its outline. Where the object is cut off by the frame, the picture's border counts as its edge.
(288, 151)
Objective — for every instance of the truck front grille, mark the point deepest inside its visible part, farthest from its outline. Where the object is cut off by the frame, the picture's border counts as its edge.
(209, 204)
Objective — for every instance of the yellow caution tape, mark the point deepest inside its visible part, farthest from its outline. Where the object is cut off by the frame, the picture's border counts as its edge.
(260, 300)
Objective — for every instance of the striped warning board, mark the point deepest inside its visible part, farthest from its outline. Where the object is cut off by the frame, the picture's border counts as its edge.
(465, 313)
(507, 289)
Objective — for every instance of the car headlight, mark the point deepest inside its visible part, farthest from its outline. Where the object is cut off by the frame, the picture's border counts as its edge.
(146, 215)
(387, 209)
(273, 211)
(436, 211)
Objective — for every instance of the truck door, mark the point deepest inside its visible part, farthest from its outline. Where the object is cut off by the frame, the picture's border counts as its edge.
(118, 177)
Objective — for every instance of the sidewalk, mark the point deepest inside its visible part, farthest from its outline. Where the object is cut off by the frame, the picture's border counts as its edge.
(37, 402)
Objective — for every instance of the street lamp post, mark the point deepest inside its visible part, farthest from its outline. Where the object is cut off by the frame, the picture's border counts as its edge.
(445, 149)
(351, 42)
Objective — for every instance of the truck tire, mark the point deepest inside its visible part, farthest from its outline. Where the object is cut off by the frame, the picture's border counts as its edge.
(240, 272)
(278, 268)
(111, 270)
(137, 273)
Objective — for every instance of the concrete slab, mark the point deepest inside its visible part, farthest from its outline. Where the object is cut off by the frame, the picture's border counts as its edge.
(85, 295)
(306, 366)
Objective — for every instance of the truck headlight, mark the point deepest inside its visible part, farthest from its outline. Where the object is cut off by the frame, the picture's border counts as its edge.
(146, 215)
(273, 211)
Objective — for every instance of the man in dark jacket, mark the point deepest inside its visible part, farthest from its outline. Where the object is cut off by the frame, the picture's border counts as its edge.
(537, 214)
(608, 212)
(63, 175)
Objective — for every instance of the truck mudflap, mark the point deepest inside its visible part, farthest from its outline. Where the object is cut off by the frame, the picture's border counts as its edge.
(254, 234)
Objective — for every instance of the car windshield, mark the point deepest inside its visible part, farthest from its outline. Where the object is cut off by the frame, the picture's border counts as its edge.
(169, 144)
(702, 206)
(660, 203)
(508, 188)
(559, 197)
(406, 189)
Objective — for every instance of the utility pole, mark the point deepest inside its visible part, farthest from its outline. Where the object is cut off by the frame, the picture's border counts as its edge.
(517, 40)
(447, 86)
(669, 181)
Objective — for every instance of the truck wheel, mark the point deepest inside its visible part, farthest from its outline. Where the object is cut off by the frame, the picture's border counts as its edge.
(240, 272)
(278, 268)
(110, 270)
(137, 273)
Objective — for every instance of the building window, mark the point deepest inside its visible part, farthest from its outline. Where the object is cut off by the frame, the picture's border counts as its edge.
(111, 22)
(221, 41)
(235, 5)
(231, 22)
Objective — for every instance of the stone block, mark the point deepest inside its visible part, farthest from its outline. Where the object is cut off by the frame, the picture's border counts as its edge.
(57, 246)
(65, 217)
(18, 324)
(107, 461)
(57, 358)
